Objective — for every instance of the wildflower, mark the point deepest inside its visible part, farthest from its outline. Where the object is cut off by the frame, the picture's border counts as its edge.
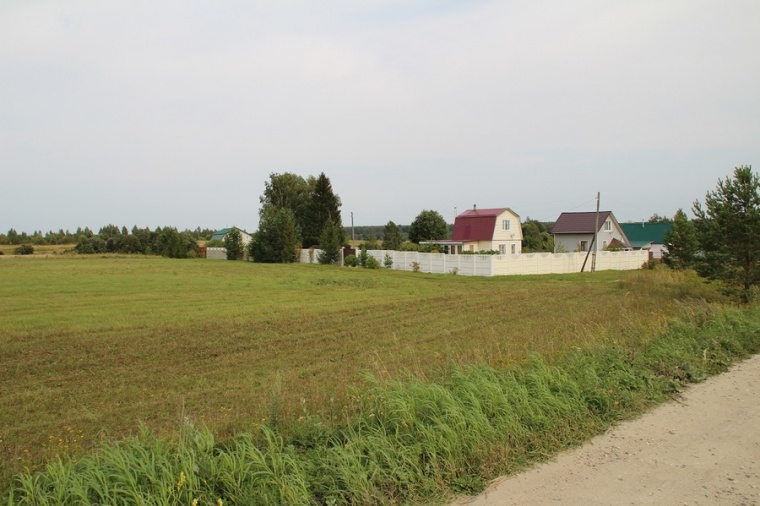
(195, 502)
(220, 502)
(181, 480)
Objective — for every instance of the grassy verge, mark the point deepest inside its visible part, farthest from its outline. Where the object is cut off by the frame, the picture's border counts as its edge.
(410, 440)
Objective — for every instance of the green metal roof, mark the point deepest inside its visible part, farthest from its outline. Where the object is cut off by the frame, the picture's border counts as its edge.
(219, 236)
(642, 233)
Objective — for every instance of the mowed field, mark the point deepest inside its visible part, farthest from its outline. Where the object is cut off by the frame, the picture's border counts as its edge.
(92, 347)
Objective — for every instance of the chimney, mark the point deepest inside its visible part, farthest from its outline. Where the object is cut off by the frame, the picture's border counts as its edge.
(475, 207)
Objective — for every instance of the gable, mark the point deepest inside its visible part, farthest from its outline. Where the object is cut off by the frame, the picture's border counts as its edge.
(579, 223)
(480, 224)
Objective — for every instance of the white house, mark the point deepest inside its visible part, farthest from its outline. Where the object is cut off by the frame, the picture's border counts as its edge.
(476, 230)
(221, 234)
(575, 232)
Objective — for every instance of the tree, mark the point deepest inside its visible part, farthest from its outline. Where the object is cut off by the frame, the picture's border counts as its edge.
(233, 241)
(681, 242)
(90, 245)
(371, 241)
(287, 190)
(323, 206)
(728, 229)
(173, 244)
(277, 238)
(330, 243)
(392, 236)
(656, 218)
(13, 237)
(428, 225)
(536, 237)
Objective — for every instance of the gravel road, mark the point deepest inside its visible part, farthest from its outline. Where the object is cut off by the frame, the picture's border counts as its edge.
(702, 449)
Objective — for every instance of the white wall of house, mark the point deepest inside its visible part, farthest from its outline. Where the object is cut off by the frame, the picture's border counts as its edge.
(657, 250)
(605, 236)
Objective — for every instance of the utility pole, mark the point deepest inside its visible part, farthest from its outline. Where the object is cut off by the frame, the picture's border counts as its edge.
(593, 241)
(352, 226)
(596, 232)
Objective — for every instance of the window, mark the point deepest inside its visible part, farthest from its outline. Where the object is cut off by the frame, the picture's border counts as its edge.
(502, 249)
(472, 247)
(607, 226)
(514, 249)
(505, 224)
(584, 245)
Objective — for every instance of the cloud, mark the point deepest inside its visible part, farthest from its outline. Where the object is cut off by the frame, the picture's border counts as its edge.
(429, 102)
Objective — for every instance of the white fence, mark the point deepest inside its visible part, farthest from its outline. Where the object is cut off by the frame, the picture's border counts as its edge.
(502, 265)
(216, 253)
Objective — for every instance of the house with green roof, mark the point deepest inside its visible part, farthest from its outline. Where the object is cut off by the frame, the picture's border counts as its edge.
(648, 236)
(221, 234)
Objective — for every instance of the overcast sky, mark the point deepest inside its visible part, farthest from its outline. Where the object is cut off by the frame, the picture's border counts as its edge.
(155, 113)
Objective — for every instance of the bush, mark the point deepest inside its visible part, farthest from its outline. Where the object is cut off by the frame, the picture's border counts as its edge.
(351, 261)
(24, 249)
(372, 263)
(387, 261)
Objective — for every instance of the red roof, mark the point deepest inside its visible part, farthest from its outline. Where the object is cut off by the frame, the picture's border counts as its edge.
(476, 224)
(579, 223)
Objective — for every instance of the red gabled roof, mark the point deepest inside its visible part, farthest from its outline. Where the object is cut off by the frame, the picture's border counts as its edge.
(579, 223)
(476, 224)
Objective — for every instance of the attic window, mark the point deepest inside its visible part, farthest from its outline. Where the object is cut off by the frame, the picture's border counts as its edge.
(607, 226)
(505, 224)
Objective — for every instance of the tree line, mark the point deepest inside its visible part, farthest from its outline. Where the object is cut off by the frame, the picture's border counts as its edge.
(51, 238)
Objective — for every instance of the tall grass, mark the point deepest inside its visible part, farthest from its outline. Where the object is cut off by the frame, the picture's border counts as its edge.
(410, 440)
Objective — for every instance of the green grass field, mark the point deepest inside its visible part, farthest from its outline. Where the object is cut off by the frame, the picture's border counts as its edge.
(94, 347)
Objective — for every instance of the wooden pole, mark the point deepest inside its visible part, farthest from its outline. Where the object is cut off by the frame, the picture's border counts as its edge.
(596, 231)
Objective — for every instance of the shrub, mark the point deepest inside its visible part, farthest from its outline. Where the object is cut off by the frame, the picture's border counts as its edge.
(387, 261)
(351, 261)
(372, 263)
(24, 249)
(415, 267)
(363, 255)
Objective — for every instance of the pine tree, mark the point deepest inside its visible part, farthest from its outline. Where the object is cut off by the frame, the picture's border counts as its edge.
(728, 228)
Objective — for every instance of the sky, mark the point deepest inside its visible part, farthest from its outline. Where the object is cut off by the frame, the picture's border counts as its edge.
(175, 113)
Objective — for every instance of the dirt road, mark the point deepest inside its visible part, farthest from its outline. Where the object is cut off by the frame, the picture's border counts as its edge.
(703, 449)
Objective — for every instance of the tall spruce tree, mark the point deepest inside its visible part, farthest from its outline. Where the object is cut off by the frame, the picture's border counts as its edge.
(323, 205)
